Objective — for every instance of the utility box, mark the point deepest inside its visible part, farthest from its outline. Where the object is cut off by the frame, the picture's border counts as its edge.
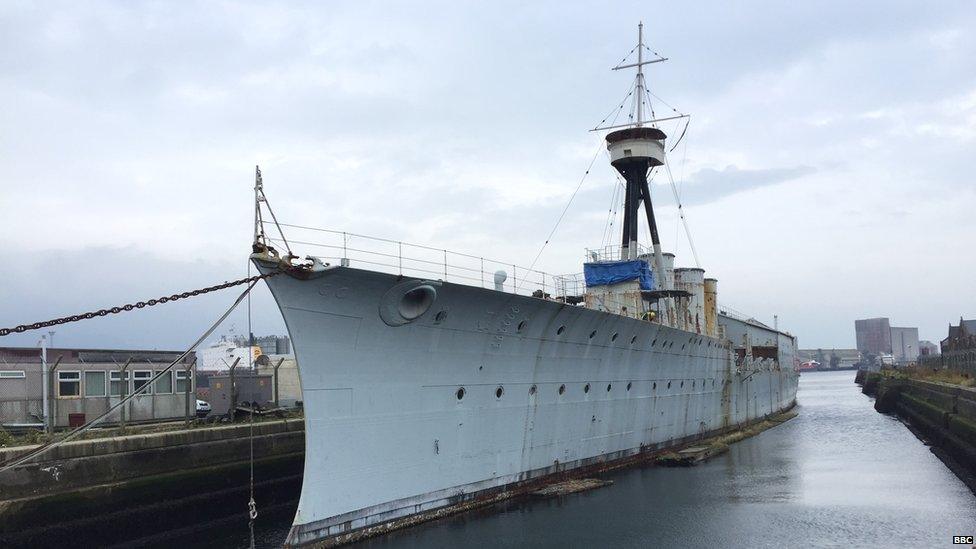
(249, 388)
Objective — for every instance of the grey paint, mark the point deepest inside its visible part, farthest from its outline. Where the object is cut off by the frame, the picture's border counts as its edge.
(387, 436)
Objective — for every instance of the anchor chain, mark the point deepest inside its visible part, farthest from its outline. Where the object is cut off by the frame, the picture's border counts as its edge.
(131, 306)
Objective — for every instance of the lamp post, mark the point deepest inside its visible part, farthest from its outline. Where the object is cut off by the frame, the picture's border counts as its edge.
(44, 382)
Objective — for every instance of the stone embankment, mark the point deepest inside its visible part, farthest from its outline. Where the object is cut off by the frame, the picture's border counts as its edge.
(125, 489)
(941, 414)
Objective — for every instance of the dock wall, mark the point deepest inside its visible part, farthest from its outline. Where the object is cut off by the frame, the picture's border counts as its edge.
(85, 463)
(942, 415)
(127, 489)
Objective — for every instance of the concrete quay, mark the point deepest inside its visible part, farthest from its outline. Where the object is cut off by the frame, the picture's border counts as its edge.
(128, 488)
(941, 414)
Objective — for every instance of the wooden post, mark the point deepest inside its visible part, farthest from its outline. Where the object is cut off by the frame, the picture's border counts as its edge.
(233, 391)
(52, 395)
(123, 389)
(186, 392)
(282, 359)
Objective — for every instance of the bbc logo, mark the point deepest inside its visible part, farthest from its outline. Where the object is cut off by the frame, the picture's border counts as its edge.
(963, 540)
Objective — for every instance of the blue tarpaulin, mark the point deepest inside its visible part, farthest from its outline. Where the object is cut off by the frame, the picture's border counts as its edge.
(613, 272)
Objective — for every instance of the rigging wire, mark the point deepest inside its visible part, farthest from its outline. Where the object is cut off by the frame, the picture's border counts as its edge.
(616, 110)
(652, 51)
(252, 507)
(122, 402)
(566, 209)
(681, 212)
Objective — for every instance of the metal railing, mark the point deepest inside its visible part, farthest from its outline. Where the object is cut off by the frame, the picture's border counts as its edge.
(611, 253)
(404, 258)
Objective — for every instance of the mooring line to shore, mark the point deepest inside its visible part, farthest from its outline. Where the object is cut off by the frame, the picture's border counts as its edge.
(73, 434)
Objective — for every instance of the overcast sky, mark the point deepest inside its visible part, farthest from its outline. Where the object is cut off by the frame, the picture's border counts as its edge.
(826, 174)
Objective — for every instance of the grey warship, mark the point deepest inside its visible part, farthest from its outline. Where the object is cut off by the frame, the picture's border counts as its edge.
(427, 391)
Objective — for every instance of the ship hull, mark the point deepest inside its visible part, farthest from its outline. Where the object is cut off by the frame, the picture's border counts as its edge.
(486, 391)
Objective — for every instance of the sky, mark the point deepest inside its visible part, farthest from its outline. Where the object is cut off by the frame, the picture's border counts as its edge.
(826, 174)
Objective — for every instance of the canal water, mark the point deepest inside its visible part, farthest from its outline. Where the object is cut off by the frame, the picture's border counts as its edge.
(838, 475)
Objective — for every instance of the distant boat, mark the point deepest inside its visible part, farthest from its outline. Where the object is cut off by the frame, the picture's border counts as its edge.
(809, 366)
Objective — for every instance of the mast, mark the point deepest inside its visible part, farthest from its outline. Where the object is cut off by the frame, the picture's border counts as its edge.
(640, 73)
(634, 151)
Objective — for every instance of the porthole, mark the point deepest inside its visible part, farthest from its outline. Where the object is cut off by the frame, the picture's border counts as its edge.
(682, 386)
(586, 388)
(633, 340)
(521, 325)
(653, 343)
(440, 316)
(692, 384)
(562, 389)
(629, 385)
(592, 334)
(614, 337)
(669, 385)
(608, 387)
(499, 392)
(682, 347)
(460, 393)
(654, 386)
(532, 390)
(713, 383)
(560, 330)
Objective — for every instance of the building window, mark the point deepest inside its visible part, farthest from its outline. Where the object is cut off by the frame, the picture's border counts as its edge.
(140, 378)
(183, 381)
(94, 384)
(164, 385)
(69, 384)
(115, 383)
(12, 374)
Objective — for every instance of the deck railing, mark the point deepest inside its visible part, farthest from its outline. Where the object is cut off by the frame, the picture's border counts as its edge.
(403, 258)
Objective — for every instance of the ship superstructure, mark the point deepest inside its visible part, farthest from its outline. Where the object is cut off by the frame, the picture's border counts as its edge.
(426, 392)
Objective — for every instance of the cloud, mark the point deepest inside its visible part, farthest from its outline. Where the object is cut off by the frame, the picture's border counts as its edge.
(134, 128)
(59, 283)
(709, 185)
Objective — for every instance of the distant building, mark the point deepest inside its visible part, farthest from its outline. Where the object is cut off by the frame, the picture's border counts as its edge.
(272, 345)
(831, 358)
(927, 348)
(961, 337)
(88, 382)
(904, 344)
(892, 344)
(873, 335)
(220, 355)
(289, 384)
(248, 388)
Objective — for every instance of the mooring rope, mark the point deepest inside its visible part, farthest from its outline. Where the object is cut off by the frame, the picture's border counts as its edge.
(252, 506)
(73, 434)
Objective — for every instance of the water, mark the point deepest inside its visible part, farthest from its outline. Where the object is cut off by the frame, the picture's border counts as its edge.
(838, 475)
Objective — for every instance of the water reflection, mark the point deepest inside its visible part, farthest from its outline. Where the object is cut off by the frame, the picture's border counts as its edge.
(838, 475)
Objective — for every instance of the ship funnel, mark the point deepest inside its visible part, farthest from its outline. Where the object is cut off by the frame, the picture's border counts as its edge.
(711, 307)
(500, 277)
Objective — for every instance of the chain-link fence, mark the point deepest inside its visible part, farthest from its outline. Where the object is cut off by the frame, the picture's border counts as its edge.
(961, 361)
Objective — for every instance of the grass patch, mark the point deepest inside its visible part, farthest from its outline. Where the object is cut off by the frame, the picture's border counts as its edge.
(940, 376)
